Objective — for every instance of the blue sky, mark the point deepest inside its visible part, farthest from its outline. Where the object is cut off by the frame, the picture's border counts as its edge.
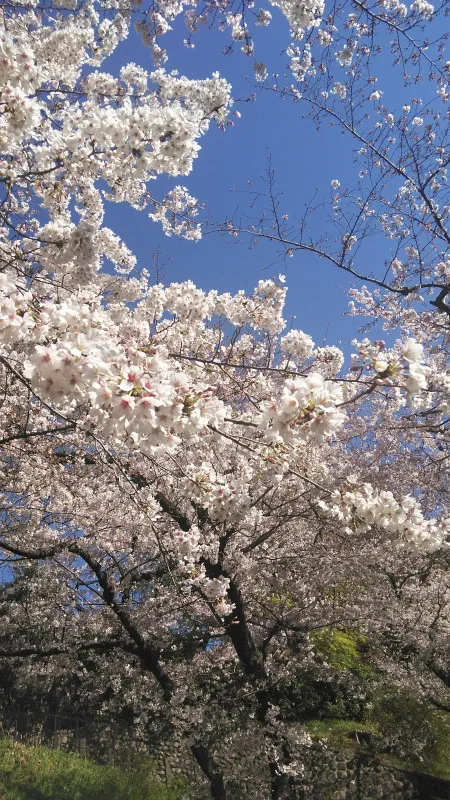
(305, 160)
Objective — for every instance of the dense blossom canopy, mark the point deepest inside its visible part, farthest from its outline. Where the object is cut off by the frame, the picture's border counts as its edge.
(178, 465)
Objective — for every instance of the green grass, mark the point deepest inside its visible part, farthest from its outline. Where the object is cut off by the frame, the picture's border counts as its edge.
(39, 773)
(337, 730)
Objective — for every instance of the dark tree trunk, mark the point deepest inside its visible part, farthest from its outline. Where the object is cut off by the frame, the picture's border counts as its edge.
(211, 769)
(282, 784)
(282, 787)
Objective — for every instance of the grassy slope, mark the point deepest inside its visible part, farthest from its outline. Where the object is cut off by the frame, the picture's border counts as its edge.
(39, 773)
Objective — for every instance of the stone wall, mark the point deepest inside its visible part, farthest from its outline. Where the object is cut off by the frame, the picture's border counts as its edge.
(334, 775)
(327, 773)
(324, 772)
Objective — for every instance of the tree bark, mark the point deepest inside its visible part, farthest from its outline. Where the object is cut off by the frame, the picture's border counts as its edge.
(282, 784)
(282, 787)
(211, 769)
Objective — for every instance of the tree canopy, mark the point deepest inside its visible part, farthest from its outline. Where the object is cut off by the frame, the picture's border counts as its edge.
(199, 503)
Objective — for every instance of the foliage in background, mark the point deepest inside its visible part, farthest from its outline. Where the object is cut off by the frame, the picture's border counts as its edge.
(399, 728)
(342, 649)
(411, 729)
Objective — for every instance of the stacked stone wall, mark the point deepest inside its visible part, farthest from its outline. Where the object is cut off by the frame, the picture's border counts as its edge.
(323, 772)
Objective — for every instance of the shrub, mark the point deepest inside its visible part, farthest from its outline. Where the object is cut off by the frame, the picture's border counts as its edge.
(413, 730)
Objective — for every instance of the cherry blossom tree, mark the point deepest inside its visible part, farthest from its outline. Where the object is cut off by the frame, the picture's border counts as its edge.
(377, 75)
(189, 491)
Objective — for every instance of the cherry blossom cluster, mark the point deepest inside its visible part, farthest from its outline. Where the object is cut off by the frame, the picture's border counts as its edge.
(215, 590)
(61, 145)
(16, 317)
(76, 352)
(113, 369)
(262, 310)
(361, 508)
(133, 394)
(297, 345)
(308, 409)
(301, 15)
(176, 213)
(78, 252)
(226, 498)
(423, 8)
(403, 365)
